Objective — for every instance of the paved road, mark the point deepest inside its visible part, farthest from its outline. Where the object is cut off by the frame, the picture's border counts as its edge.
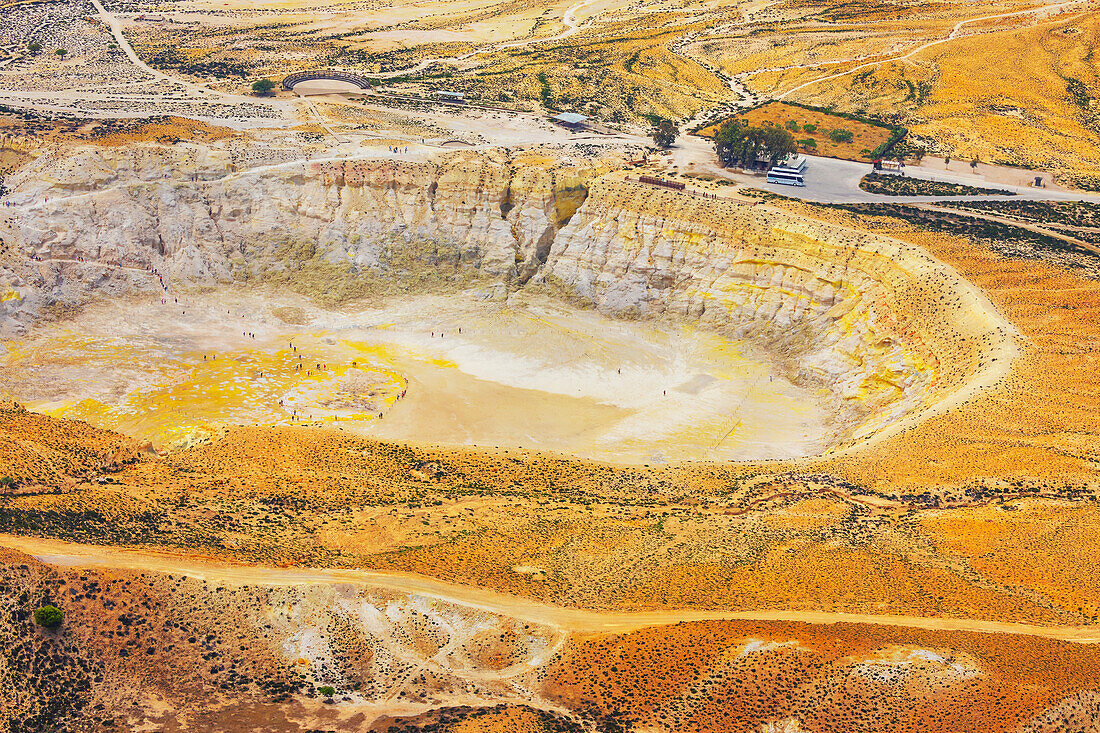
(837, 181)
(579, 620)
(832, 181)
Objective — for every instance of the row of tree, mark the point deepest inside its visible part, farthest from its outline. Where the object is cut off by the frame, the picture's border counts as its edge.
(34, 48)
(739, 144)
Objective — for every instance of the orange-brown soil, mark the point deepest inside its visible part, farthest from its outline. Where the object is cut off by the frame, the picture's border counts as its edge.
(140, 650)
(844, 677)
(36, 450)
(986, 512)
(166, 130)
(865, 137)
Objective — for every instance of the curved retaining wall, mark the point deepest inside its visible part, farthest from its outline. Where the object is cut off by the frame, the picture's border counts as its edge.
(298, 77)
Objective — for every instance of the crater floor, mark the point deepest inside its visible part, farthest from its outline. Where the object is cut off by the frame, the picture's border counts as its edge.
(462, 369)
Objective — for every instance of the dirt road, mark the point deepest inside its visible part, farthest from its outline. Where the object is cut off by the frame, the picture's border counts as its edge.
(1048, 8)
(576, 620)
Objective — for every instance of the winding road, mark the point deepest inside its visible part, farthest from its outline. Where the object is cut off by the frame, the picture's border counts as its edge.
(571, 27)
(120, 38)
(950, 37)
(577, 620)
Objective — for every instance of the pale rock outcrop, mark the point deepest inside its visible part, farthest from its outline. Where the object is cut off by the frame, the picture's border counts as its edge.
(182, 211)
(881, 325)
(883, 328)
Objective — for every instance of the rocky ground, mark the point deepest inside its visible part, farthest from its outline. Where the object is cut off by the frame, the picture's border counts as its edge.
(927, 565)
(185, 652)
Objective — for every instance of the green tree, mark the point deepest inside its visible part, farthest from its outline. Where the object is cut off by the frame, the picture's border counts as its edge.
(808, 143)
(776, 144)
(34, 47)
(263, 87)
(61, 52)
(49, 617)
(736, 143)
(326, 690)
(974, 164)
(792, 125)
(545, 94)
(730, 141)
(810, 127)
(664, 134)
(840, 135)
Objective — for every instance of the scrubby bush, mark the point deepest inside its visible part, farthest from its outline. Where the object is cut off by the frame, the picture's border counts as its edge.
(840, 135)
(326, 690)
(49, 617)
(891, 185)
(263, 87)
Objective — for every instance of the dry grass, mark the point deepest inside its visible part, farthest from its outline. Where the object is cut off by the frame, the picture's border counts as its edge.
(1037, 430)
(734, 676)
(1042, 546)
(307, 496)
(166, 131)
(1037, 111)
(865, 138)
(39, 450)
(622, 72)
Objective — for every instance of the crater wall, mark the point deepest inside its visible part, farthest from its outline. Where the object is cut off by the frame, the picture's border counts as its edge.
(882, 328)
(99, 219)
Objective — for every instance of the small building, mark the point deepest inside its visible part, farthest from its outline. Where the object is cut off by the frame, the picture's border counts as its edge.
(571, 120)
(889, 166)
(451, 97)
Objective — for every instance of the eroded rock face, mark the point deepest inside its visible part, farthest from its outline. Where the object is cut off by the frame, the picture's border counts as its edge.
(100, 219)
(880, 326)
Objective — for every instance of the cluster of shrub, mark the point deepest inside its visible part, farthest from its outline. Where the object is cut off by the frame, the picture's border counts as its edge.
(739, 144)
(837, 135)
(891, 185)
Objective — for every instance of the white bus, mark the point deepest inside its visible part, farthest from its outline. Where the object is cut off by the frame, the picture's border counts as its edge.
(786, 176)
(789, 172)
